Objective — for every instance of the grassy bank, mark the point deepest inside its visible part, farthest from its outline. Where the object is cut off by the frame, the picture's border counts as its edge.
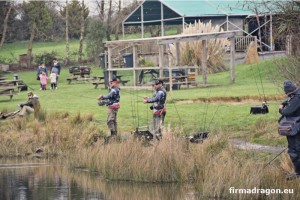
(73, 122)
(212, 167)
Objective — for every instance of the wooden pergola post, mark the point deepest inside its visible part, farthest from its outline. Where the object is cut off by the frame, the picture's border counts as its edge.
(109, 56)
(135, 70)
(204, 62)
(170, 72)
(177, 54)
(161, 60)
(232, 59)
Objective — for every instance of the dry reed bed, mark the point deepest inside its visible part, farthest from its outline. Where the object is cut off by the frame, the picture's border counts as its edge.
(212, 167)
(191, 52)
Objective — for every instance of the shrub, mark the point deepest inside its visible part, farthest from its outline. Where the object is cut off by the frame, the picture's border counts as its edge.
(191, 52)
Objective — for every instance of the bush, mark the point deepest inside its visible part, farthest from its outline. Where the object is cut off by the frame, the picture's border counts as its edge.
(45, 57)
(191, 52)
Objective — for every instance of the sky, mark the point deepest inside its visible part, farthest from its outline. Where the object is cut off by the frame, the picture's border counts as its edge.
(91, 4)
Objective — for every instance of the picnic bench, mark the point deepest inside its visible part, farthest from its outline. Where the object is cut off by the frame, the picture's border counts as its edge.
(119, 77)
(7, 91)
(77, 79)
(98, 83)
(177, 81)
(82, 71)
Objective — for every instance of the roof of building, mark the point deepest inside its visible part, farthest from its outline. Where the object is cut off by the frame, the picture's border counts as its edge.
(192, 9)
(208, 7)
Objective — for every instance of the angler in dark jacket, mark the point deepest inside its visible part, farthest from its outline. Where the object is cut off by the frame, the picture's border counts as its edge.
(31, 106)
(291, 108)
(158, 107)
(113, 105)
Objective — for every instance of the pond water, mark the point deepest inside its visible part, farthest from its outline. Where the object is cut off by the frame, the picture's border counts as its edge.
(39, 180)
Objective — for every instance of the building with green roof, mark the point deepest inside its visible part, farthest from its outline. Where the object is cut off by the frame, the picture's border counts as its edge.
(229, 14)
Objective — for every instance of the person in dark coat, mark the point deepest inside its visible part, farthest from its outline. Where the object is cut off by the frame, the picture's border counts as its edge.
(291, 108)
(31, 106)
(158, 107)
(55, 67)
(42, 68)
(113, 106)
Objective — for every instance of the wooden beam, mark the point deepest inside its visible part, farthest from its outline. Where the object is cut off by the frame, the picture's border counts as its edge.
(174, 38)
(204, 62)
(135, 58)
(170, 72)
(177, 54)
(161, 60)
(158, 68)
(109, 56)
(232, 59)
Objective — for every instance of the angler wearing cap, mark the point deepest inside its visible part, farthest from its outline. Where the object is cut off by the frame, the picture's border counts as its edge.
(31, 106)
(158, 107)
(113, 105)
(291, 108)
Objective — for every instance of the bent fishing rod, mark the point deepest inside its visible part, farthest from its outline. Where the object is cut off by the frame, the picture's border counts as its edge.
(275, 158)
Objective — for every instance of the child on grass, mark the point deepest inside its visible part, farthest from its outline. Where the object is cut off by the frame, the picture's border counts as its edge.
(53, 76)
(43, 80)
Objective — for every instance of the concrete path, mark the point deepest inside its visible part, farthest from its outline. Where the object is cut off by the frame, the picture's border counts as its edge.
(251, 146)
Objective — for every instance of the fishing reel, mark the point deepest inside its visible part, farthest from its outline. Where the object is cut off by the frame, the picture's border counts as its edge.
(199, 137)
(143, 134)
(260, 109)
(103, 102)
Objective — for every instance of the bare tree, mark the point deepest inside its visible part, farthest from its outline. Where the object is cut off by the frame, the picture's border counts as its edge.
(67, 60)
(39, 18)
(81, 33)
(5, 25)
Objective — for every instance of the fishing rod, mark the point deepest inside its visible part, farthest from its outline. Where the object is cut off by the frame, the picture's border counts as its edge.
(275, 158)
(132, 94)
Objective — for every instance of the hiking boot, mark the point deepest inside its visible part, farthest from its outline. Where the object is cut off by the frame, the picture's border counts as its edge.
(293, 176)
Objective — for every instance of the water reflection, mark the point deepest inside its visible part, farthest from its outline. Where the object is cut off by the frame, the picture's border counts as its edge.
(38, 180)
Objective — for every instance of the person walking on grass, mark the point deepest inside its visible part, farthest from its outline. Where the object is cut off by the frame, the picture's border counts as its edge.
(158, 107)
(53, 80)
(291, 108)
(43, 80)
(41, 68)
(31, 106)
(113, 106)
(55, 67)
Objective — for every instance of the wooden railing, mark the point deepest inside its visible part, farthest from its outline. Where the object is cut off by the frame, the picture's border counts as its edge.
(242, 42)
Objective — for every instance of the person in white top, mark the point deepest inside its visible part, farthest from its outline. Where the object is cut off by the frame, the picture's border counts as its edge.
(53, 76)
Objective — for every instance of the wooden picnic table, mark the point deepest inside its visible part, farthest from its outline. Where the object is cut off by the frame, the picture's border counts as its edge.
(82, 79)
(178, 80)
(119, 77)
(8, 82)
(7, 91)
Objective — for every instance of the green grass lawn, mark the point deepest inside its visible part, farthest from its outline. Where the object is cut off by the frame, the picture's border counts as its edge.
(214, 116)
(9, 53)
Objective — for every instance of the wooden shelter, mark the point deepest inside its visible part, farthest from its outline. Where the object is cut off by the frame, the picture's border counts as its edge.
(161, 42)
(229, 14)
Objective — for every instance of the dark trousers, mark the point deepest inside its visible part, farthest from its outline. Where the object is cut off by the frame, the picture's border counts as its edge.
(294, 151)
(53, 85)
(112, 120)
(158, 122)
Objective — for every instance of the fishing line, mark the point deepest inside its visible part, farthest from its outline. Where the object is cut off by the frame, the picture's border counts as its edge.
(263, 90)
(133, 110)
(205, 109)
(253, 74)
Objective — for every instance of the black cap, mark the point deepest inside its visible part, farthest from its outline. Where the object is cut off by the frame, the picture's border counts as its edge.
(289, 86)
(158, 81)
